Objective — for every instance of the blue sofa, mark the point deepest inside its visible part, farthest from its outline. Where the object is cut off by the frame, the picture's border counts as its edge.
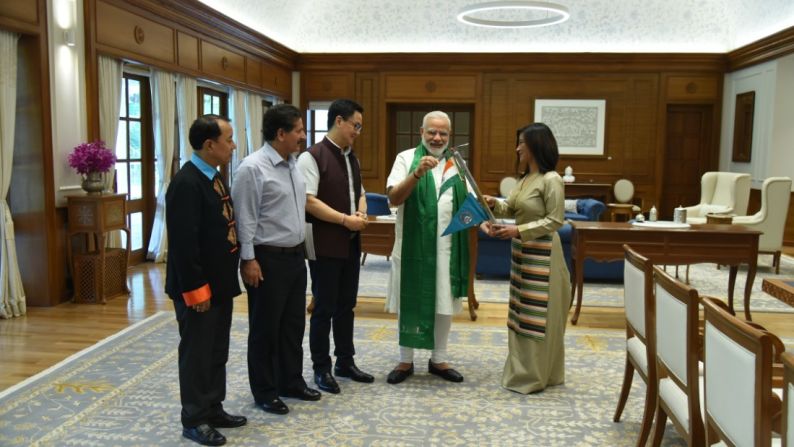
(493, 255)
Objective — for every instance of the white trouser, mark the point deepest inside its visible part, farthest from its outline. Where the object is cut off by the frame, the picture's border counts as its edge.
(441, 334)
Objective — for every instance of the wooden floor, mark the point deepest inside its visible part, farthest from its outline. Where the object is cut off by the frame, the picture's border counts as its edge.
(45, 336)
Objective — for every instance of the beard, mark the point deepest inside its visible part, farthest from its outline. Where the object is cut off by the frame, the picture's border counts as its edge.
(435, 151)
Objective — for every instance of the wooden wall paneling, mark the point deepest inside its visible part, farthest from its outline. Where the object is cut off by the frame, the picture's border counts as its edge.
(222, 62)
(498, 132)
(277, 80)
(366, 145)
(31, 196)
(446, 63)
(187, 51)
(692, 88)
(129, 32)
(253, 71)
(618, 91)
(430, 86)
(771, 47)
(194, 37)
(326, 86)
(20, 16)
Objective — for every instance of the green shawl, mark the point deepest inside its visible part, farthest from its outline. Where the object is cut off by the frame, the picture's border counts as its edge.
(418, 262)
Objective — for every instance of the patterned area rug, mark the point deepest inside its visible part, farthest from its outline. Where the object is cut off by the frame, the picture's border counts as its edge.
(124, 392)
(704, 277)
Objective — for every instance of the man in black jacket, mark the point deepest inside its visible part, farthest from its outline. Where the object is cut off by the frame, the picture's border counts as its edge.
(201, 278)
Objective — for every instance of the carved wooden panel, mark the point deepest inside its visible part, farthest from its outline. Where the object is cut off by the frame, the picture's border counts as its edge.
(126, 31)
(277, 80)
(430, 86)
(24, 11)
(187, 46)
(692, 87)
(328, 86)
(221, 62)
(253, 71)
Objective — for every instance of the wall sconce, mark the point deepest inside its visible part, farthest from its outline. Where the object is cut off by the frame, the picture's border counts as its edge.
(68, 37)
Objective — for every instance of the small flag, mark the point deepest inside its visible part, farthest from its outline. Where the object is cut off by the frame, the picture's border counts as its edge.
(469, 214)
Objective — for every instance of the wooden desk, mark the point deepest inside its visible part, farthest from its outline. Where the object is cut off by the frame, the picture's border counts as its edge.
(599, 191)
(782, 289)
(722, 244)
(378, 238)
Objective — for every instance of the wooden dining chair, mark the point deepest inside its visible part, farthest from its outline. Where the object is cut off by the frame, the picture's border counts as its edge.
(677, 359)
(787, 420)
(640, 333)
(739, 405)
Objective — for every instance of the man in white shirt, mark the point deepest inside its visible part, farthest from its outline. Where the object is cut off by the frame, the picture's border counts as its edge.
(336, 210)
(429, 274)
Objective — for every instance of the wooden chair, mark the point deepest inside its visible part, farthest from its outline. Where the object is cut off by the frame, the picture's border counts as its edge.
(787, 421)
(677, 359)
(740, 407)
(640, 333)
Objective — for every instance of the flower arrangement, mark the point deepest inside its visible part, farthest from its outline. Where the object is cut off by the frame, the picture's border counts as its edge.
(91, 157)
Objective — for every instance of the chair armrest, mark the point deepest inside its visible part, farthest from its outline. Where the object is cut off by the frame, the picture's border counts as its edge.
(755, 219)
(591, 208)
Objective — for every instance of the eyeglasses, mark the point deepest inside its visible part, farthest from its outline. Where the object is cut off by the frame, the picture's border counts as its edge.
(356, 126)
(434, 132)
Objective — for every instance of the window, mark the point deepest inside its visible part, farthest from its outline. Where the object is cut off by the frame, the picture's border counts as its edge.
(135, 165)
(215, 102)
(316, 122)
(406, 119)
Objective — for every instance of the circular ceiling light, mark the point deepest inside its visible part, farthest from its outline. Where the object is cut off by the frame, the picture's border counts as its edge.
(539, 14)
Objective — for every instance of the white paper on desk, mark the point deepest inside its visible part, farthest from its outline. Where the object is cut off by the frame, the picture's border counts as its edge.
(309, 243)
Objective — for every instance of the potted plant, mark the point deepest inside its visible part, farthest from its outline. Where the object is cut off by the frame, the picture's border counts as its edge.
(92, 160)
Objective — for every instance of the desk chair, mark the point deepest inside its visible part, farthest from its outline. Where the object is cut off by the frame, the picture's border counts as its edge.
(640, 336)
(623, 192)
(740, 406)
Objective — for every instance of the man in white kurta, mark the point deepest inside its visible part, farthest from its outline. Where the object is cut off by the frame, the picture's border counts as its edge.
(401, 183)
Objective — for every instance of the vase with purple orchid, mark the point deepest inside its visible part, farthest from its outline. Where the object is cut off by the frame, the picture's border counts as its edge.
(92, 160)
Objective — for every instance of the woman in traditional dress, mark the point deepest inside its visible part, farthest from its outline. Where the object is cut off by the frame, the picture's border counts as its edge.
(540, 286)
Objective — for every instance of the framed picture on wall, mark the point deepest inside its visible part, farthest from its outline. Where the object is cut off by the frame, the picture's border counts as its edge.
(743, 127)
(578, 124)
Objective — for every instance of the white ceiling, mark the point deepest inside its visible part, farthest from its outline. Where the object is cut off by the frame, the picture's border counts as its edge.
(429, 26)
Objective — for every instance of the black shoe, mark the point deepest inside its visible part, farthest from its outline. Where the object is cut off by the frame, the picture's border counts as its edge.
(398, 375)
(446, 374)
(326, 382)
(226, 420)
(204, 435)
(305, 394)
(275, 406)
(354, 373)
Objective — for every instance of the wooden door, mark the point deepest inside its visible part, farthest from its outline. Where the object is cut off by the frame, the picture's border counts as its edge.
(688, 146)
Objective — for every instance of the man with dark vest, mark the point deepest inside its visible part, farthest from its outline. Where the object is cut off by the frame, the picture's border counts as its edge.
(336, 211)
(201, 278)
(270, 194)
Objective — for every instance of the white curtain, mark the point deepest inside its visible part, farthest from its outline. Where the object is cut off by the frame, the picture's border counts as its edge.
(239, 100)
(164, 112)
(110, 78)
(12, 295)
(254, 122)
(187, 112)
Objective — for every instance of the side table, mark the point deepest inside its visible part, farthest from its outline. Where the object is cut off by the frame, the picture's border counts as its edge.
(98, 273)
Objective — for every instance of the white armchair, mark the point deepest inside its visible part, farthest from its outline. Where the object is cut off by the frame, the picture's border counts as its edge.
(721, 192)
(771, 219)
